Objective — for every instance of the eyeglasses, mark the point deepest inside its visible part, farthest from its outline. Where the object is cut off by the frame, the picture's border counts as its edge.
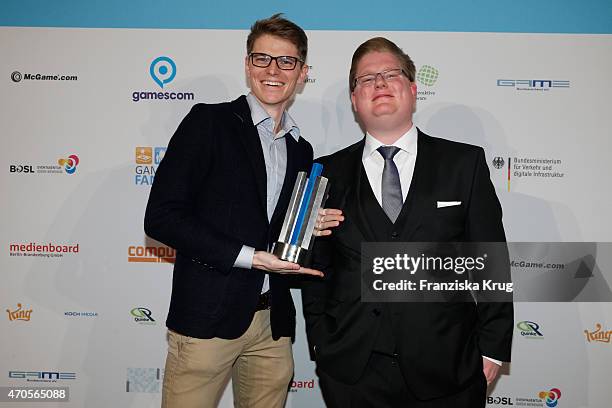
(284, 62)
(388, 75)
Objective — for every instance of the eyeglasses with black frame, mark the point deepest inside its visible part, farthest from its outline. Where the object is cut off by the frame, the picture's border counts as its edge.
(284, 62)
(389, 75)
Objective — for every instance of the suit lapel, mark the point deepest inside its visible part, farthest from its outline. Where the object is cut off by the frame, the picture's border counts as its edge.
(250, 140)
(415, 207)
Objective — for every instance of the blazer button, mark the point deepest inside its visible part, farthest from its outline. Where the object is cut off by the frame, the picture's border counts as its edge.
(394, 234)
(376, 312)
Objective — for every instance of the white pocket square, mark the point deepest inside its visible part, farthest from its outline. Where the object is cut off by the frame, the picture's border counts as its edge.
(442, 204)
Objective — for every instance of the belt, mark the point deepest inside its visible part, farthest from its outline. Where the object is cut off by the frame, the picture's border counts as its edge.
(264, 302)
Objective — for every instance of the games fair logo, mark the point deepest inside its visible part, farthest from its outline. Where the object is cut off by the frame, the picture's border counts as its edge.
(598, 335)
(49, 250)
(155, 254)
(144, 380)
(530, 330)
(163, 71)
(147, 159)
(20, 314)
(427, 76)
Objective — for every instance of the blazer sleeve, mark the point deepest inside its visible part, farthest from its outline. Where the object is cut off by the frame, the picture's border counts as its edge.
(484, 224)
(171, 215)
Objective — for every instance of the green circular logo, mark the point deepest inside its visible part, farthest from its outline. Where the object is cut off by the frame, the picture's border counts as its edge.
(427, 75)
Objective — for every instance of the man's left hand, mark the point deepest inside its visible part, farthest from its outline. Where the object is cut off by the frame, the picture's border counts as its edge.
(490, 369)
(327, 218)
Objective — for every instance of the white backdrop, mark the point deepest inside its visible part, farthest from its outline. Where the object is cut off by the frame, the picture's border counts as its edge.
(97, 317)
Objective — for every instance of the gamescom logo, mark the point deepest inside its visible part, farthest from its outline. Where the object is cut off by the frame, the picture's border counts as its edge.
(147, 159)
(530, 330)
(163, 71)
(19, 314)
(144, 380)
(533, 84)
(551, 398)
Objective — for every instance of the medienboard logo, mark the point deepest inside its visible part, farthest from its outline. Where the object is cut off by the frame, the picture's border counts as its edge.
(19, 314)
(151, 254)
(147, 158)
(48, 250)
(144, 380)
(297, 385)
(530, 330)
(427, 75)
(599, 335)
(162, 71)
(533, 84)
(41, 376)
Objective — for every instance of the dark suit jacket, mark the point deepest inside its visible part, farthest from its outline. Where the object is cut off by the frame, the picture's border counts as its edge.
(207, 200)
(439, 344)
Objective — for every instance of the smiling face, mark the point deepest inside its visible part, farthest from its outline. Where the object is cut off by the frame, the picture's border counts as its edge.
(272, 86)
(384, 107)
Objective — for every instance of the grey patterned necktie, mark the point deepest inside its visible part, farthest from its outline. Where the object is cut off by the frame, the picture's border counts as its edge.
(391, 186)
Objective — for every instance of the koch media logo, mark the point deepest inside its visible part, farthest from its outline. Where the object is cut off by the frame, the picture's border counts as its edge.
(147, 159)
(530, 330)
(598, 335)
(65, 165)
(50, 250)
(17, 76)
(19, 314)
(426, 75)
(144, 380)
(533, 84)
(162, 71)
(41, 376)
(154, 254)
(530, 168)
(81, 314)
(143, 316)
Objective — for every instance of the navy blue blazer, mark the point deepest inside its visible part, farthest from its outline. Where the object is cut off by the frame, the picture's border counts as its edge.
(207, 200)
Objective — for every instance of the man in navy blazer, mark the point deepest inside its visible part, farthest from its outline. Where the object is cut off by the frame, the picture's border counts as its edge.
(219, 198)
(400, 185)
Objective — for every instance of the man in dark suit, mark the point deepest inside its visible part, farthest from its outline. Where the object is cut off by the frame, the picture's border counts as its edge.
(400, 185)
(219, 198)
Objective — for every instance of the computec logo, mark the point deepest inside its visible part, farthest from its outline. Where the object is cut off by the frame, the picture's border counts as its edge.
(551, 398)
(19, 314)
(533, 84)
(598, 335)
(530, 330)
(70, 164)
(41, 376)
(155, 254)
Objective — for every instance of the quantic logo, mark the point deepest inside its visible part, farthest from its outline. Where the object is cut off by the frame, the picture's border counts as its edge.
(530, 329)
(163, 71)
(533, 84)
(41, 376)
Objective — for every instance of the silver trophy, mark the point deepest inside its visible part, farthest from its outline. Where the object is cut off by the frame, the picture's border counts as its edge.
(309, 194)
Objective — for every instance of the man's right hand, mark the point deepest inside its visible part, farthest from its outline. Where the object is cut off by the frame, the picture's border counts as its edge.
(271, 263)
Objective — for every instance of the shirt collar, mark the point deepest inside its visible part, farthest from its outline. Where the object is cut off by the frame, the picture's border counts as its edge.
(259, 115)
(407, 142)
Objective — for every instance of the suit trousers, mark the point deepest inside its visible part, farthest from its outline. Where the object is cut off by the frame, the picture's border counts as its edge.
(383, 386)
(198, 370)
